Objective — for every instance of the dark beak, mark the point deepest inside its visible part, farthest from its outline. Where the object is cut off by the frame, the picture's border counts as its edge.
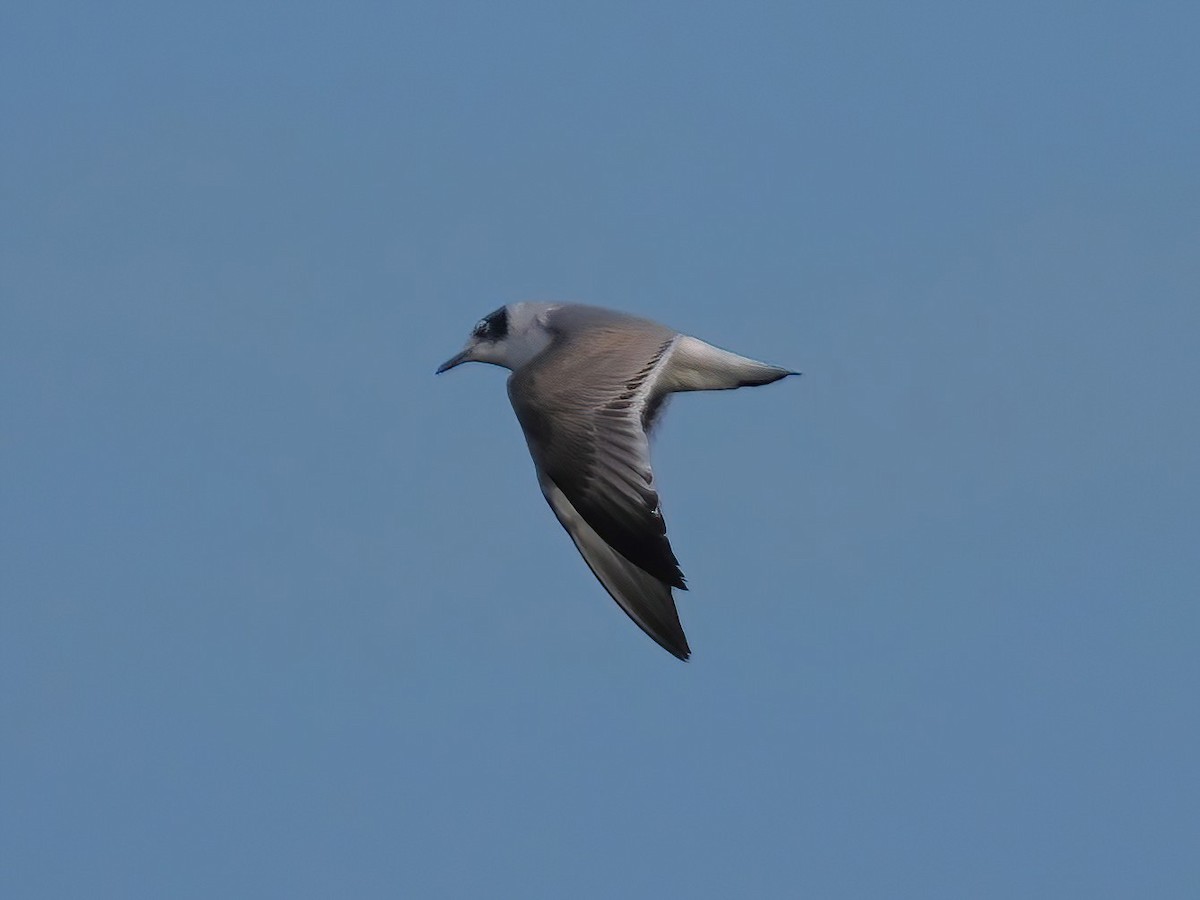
(456, 360)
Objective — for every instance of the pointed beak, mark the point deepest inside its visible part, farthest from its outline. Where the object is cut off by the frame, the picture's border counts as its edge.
(456, 360)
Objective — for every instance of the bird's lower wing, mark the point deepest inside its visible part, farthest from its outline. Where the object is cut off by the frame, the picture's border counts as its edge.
(644, 598)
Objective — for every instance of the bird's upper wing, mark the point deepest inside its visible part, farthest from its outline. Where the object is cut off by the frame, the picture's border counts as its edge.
(584, 404)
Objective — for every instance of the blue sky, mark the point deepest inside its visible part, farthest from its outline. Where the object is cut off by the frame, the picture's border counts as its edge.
(284, 615)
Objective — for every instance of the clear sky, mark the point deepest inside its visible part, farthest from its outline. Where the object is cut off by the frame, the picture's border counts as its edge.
(284, 615)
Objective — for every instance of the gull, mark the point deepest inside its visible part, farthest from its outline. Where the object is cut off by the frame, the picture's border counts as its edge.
(587, 386)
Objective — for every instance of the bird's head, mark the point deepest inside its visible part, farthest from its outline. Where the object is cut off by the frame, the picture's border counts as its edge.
(508, 337)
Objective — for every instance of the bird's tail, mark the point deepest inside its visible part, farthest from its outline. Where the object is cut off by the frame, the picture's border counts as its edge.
(694, 365)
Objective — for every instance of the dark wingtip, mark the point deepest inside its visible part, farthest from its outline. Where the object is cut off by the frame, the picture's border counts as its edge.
(667, 632)
(681, 651)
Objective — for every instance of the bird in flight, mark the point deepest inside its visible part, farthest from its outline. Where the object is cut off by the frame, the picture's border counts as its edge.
(587, 385)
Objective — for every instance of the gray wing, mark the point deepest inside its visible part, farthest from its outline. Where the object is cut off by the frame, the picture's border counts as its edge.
(584, 406)
(581, 406)
(645, 599)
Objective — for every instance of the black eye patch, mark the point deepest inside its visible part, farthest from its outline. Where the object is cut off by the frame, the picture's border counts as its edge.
(494, 326)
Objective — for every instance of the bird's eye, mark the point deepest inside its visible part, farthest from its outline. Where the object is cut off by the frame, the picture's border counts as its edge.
(481, 328)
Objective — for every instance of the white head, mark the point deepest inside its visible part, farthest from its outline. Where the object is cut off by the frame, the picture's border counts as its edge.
(508, 337)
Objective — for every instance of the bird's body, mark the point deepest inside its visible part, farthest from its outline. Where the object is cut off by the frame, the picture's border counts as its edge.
(587, 384)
